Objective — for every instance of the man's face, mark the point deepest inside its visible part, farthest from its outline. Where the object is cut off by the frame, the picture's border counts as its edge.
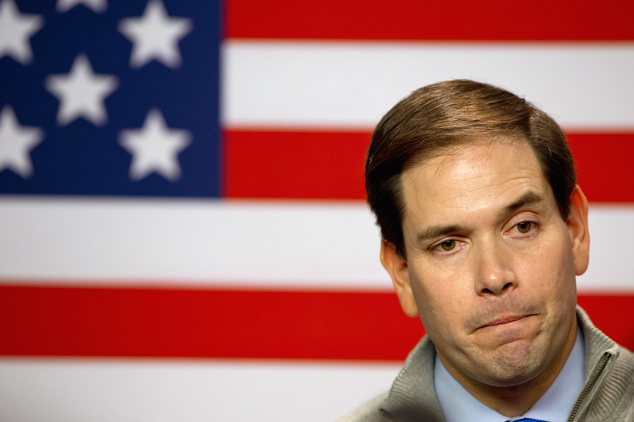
(490, 263)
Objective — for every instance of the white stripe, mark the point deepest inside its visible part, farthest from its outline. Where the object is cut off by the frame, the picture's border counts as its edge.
(64, 390)
(611, 250)
(248, 244)
(209, 242)
(352, 84)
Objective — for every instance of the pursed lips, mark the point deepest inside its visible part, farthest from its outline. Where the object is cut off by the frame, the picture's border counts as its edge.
(503, 320)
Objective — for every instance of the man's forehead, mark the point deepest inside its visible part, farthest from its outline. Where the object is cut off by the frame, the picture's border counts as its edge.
(475, 175)
(485, 143)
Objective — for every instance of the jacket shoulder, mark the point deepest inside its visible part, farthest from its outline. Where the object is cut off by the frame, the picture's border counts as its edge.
(367, 412)
(614, 401)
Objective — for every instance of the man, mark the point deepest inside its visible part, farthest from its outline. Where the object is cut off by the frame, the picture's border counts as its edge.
(484, 230)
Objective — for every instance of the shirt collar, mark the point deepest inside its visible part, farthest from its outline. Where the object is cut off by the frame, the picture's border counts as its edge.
(554, 406)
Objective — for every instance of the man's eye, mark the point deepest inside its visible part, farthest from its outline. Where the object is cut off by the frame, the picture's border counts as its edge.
(524, 227)
(448, 245)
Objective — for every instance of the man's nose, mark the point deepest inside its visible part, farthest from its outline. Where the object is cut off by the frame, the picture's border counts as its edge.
(494, 272)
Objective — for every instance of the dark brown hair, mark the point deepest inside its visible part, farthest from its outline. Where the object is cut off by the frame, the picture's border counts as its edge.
(444, 115)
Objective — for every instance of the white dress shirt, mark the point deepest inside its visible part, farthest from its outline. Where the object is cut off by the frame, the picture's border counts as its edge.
(554, 406)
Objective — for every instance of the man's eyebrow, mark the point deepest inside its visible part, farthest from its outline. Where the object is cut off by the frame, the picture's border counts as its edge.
(437, 231)
(529, 198)
(433, 232)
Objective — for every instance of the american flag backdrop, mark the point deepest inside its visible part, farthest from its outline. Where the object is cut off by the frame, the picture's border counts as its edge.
(183, 234)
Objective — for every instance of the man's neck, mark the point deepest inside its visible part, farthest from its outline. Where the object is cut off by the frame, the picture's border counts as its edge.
(515, 400)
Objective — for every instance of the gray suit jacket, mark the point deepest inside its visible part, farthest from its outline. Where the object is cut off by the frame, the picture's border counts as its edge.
(608, 394)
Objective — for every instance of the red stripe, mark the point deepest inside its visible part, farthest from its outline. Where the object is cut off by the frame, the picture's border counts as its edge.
(498, 20)
(203, 323)
(329, 165)
(603, 165)
(56, 321)
(613, 315)
(316, 165)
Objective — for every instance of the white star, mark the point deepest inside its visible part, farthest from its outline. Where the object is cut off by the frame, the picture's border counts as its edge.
(16, 143)
(155, 36)
(82, 93)
(155, 147)
(15, 30)
(97, 6)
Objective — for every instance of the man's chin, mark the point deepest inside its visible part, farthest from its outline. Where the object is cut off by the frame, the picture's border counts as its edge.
(510, 365)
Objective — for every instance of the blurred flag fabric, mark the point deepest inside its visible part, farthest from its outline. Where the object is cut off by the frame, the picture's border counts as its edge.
(183, 229)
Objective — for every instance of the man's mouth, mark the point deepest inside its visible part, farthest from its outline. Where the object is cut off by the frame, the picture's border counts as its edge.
(503, 320)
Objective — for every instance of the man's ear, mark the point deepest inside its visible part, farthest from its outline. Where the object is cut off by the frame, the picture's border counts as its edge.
(578, 229)
(396, 266)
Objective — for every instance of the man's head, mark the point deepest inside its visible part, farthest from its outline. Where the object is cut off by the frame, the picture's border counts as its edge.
(436, 118)
(483, 229)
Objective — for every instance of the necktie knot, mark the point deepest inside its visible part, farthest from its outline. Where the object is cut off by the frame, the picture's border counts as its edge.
(529, 420)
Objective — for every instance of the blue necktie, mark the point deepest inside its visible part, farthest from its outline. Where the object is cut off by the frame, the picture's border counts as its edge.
(529, 420)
